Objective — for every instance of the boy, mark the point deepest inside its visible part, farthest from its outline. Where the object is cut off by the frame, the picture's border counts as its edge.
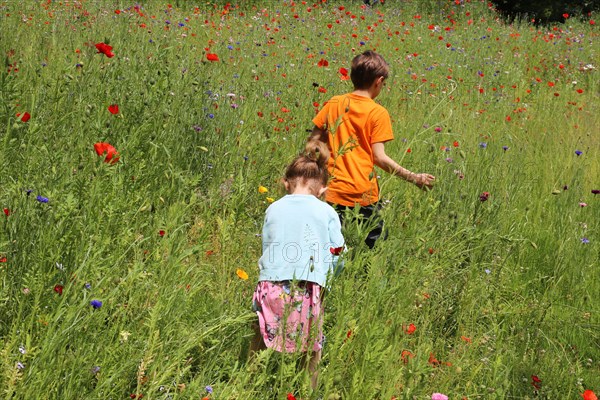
(355, 128)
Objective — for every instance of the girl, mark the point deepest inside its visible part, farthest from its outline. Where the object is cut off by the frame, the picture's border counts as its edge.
(301, 239)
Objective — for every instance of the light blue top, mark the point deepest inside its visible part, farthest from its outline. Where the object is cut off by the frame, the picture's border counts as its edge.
(298, 233)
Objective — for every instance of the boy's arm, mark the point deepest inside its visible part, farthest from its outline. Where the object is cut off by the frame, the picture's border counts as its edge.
(383, 161)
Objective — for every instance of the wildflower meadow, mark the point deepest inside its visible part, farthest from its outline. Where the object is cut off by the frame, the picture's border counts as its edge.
(141, 143)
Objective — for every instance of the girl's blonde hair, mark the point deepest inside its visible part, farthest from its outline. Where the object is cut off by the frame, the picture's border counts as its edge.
(310, 165)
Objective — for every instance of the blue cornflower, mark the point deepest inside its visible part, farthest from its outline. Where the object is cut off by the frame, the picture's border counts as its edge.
(578, 152)
(96, 304)
(505, 148)
(230, 47)
(211, 116)
(181, 24)
(209, 389)
(585, 240)
(483, 145)
(88, 285)
(41, 199)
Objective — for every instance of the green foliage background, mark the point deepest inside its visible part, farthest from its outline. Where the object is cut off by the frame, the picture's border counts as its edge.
(499, 291)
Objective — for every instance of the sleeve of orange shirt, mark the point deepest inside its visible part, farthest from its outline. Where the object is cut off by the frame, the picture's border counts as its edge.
(382, 126)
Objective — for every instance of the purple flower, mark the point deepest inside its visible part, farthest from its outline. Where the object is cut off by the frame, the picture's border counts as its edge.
(483, 145)
(211, 116)
(505, 148)
(96, 304)
(449, 159)
(578, 152)
(41, 199)
(585, 240)
(88, 285)
(438, 129)
(95, 370)
(439, 396)
(484, 196)
(209, 389)
(595, 191)
(20, 365)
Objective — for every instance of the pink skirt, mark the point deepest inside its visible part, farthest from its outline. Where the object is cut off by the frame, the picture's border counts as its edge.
(293, 305)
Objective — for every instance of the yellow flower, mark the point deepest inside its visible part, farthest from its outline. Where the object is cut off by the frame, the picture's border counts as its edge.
(270, 199)
(241, 274)
(262, 189)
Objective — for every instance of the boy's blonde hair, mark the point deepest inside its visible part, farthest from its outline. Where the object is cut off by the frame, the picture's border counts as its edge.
(366, 68)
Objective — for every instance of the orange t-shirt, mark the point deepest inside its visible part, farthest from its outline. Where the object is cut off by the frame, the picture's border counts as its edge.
(354, 123)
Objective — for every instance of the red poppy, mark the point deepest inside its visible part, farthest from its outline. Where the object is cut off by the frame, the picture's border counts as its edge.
(536, 382)
(290, 397)
(323, 63)
(336, 251)
(432, 360)
(410, 329)
(161, 233)
(3, 259)
(113, 109)
(112, 156)
(589, 395)
(455, 144)
(6, 212)
(212, 57)
(59, 289)
(322, 90)
(343, 71)
(24, 117)
(406, 355)
(105, 49)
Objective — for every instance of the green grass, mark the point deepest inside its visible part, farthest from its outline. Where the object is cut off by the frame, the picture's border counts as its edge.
(498, 290)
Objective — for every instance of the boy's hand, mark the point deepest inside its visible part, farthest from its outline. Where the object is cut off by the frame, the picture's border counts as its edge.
(424, 181)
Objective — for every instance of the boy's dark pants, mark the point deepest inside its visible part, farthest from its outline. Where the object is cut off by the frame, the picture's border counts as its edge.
(370, 212)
